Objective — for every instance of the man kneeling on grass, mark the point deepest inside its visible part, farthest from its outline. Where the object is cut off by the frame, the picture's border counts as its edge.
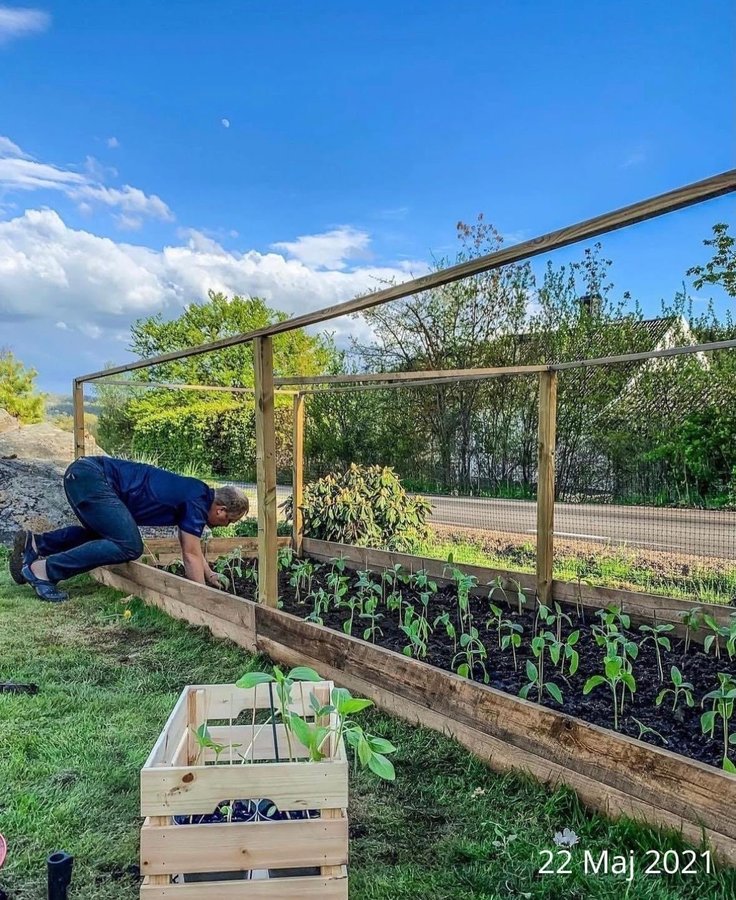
(111, 498)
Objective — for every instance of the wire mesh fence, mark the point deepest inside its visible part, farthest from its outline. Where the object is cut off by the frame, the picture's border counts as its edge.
(645, 488)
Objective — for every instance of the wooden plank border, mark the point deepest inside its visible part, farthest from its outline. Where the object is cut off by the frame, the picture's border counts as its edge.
(612, 773)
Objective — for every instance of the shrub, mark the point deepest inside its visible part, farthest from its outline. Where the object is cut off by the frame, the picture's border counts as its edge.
(365, 506)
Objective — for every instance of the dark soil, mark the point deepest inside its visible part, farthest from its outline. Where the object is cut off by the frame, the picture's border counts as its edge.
(681, 730)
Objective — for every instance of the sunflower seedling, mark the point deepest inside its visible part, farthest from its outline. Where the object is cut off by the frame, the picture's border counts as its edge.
(541, 645)
(512, 638)
(473, 653)
(723, 699)
(657, 634)
(680, 688)
(693, 621)
(615, 674)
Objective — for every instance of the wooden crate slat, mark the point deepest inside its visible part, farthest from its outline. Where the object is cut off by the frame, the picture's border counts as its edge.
(185, 789)
(231, 847)
(260, 739)
(165, 749)
(314, 887)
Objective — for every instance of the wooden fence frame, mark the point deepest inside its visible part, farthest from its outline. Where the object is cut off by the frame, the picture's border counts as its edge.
(612, 773)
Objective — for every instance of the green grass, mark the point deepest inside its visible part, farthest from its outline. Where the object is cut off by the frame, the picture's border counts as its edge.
(447, 829)
(614, 568)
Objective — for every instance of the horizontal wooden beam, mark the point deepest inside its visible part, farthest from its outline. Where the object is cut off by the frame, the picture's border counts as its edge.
(386, 380)
(170, 385)
(680, 198)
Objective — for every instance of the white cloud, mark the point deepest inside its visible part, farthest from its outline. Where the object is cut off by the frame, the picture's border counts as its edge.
(112, 142)
(8, 148)
(16, 22)
(20, 172)
(63, 326)
(91, 282)
(330, 250)
(225, 123)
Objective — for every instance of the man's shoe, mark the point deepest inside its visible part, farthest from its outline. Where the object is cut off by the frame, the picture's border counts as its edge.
(23, 555)
(45, 590)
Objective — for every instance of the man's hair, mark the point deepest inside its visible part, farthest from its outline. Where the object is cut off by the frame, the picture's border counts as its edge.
(234, 501)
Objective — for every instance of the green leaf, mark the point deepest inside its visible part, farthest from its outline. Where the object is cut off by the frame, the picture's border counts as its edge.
(554, 691)
(708, 721)
(573, 638)
(531, 671)
(612, 667)
(729, 766)
(382, 766)
(628, 680)
(301, 729)
(364, 751)
(463, 670)
(355, 705)
(676, 676)
(574, 662)
(660, 697)
(524, 692)
(593, 682)
(251, 679)
(380, 745)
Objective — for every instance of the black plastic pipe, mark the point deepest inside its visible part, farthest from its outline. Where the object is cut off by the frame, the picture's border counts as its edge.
(59, 867)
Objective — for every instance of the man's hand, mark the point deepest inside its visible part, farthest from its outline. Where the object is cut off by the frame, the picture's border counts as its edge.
(213, 580)
(195, 564)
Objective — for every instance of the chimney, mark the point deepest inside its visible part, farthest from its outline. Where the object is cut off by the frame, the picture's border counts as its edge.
(591, 304)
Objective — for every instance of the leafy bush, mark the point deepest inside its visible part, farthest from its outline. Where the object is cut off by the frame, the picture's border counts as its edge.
(249, 528)
(365, 506)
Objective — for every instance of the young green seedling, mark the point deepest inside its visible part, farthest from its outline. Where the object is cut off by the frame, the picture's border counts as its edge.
(338, 585)
(723, 700)
(541, 645)
(645, 729)
(352, 604)
(615, 674)
(680, 688)
(693, 621)
(714, 639)
(497, 585)
(495, 621)
(474, 653)
(321, 601)
(417, 633)
(512, 638)
(657, 634)
(302, 574)
(285, 559)
(560, 651)
(450, 630)
(520, 595)
(372, 615)
(559, 616)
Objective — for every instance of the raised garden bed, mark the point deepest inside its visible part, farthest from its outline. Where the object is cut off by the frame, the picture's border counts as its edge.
(240, 811)
(609, 770)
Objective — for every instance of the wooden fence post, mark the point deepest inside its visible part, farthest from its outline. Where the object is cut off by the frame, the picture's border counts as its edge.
(298, 479)
(265, 472)
(78, 406)
(546, 484)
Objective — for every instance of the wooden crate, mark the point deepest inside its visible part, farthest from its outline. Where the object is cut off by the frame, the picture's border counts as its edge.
(179, 779)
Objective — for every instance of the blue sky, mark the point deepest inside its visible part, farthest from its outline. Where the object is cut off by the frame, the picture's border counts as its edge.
(302, 150)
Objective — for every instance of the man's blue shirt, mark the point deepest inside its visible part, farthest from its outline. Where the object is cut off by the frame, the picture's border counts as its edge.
(157, 497)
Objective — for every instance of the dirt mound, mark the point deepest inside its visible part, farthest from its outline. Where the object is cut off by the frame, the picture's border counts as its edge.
(44, 441)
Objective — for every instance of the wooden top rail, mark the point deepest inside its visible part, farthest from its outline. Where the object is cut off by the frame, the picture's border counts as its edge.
(186, 387)
(680, 198)
(383, 381)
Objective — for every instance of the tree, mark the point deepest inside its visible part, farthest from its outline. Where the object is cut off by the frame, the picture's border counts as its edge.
(722, 268)
(18, 394)
(210, 432)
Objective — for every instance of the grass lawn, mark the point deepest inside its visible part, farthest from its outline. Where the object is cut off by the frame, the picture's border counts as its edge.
(447, 829)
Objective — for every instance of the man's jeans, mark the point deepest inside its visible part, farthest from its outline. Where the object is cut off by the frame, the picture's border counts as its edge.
(109, 535)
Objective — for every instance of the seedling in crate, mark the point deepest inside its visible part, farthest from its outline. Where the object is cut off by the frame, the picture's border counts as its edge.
(496, 585)
(541, 645)
(680, 688)
(352, 604)
(367, 588)
(391, 577)
(520, 595)
(693, 621)
(657, 634)
(731, 638)
(450, 630)
(464, 584)
(370, 751)
(616, 674)
(512, 638)
(558, 618)
(723, 699)
(204, 741)
(473, 653)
